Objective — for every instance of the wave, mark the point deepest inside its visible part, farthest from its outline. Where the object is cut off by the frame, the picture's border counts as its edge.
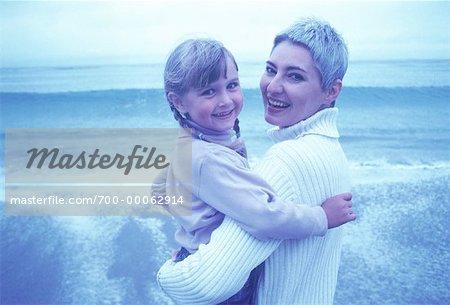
(401, 165)
(383, 172)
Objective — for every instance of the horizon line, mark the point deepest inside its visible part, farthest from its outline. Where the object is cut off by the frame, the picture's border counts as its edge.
(88, 64)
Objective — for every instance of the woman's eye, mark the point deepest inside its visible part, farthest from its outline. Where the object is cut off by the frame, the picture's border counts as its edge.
(207, 92)
(296, 76)
(270, 70)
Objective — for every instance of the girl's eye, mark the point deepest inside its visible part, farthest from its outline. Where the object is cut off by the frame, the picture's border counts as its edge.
(233, 85)
(296, 76)
(269, 70)
(207, 92)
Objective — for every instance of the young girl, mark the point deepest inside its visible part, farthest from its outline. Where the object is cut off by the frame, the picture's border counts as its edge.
(202, 87)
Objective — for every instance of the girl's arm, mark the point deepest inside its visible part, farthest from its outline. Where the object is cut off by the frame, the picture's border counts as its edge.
(229, 186)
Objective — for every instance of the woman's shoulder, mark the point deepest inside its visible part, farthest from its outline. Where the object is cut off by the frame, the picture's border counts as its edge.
(280, 148)
(300, 144)
(290, 152)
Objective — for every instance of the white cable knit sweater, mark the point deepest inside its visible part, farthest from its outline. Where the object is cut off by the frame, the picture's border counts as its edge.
(306, 164)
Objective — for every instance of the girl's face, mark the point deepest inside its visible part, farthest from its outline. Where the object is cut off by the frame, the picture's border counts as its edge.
(291, 86)
(217, 105)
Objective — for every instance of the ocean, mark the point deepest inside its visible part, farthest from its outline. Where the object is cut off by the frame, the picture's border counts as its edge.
(394, 121)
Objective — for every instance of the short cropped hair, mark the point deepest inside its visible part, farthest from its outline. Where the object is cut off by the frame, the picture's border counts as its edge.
(328, 49)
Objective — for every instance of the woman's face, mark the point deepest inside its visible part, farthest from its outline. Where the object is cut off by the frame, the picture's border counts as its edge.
(291, 86)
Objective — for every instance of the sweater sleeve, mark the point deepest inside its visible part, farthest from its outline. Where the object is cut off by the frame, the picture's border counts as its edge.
(217, 270)
(233, 189)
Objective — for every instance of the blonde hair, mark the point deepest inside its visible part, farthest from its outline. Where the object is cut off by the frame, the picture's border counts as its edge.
(195, 63)
(328, 49)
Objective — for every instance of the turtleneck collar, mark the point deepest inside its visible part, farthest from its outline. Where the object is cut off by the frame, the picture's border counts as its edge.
(227, 138)
(321, 123)
(200, 132)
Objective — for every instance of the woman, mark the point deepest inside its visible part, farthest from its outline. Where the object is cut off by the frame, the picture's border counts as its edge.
(302, 81)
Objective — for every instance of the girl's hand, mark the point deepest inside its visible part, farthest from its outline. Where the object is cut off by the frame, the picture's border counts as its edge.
(339, 210)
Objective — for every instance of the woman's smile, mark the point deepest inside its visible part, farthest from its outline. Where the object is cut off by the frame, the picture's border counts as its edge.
(291, 85)
(277, 104)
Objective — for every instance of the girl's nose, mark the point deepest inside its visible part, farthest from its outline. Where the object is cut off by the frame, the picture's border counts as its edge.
(225, 99)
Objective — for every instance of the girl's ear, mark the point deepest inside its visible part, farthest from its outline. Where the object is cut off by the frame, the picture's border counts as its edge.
(333, 92)
(176, 101)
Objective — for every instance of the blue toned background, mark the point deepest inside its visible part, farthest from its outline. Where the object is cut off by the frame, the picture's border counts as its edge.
(78, 64)
(394, 124)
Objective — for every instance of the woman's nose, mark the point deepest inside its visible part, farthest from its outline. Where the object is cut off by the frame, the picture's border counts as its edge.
(275, 86)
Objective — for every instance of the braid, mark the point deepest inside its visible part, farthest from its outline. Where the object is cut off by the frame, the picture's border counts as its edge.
(236, 128)
(183, 122)
(177, 115)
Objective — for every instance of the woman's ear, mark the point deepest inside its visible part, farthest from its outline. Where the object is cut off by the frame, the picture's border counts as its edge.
(176, 101)
(334, 92)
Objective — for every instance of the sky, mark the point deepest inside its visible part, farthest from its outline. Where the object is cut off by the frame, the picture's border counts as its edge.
(38, 33)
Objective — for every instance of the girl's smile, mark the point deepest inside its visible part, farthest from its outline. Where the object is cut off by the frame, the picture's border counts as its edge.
(217, 105)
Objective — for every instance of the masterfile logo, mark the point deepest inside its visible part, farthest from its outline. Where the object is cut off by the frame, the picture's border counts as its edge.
(91, 171)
